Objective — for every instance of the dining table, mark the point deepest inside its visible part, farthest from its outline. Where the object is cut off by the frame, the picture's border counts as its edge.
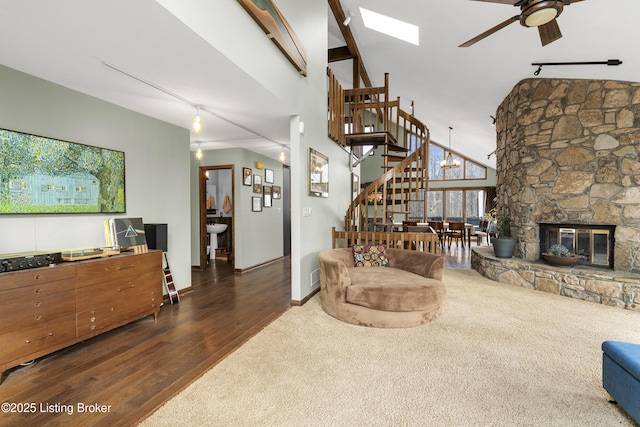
(469, 229)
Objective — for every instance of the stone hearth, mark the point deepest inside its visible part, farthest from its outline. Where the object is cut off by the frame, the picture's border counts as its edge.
(606, 287)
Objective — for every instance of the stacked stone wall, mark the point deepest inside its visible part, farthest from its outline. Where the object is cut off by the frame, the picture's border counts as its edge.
(621, 290)
(568, 151)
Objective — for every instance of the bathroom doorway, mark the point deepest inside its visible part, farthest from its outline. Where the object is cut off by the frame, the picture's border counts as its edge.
(217, 198)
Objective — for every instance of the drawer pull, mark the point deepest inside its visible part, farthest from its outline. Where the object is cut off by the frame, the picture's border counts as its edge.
(38, 303)
(124, 267)
(38, 277)
(50, 334)
(128, 287)
(38, 317)
(38, 290)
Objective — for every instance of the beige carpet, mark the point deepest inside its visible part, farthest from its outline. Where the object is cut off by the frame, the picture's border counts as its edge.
(498, 355)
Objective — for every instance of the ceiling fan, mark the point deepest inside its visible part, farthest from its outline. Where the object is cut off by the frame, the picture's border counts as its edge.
(533, 13)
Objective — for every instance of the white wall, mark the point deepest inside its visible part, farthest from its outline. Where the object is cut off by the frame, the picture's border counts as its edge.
(156, 162)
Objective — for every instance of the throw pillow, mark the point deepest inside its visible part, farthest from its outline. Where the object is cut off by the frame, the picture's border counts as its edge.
(370, 256)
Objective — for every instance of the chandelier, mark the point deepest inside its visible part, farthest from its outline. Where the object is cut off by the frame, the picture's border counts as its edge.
(450, 162)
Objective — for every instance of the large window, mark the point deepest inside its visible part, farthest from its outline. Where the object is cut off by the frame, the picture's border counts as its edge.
(435, 205)
(474, 206)
(468, 169)
(456, 205)
(453, 201)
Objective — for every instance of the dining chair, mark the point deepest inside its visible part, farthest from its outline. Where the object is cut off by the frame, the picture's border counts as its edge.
(406, 224)
(438, 227)
(482, 233)
(456, 231)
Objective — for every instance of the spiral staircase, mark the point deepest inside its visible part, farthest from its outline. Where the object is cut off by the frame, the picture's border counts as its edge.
(363, 120)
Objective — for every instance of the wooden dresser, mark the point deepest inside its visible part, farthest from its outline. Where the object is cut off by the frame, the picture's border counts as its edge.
(45, 309)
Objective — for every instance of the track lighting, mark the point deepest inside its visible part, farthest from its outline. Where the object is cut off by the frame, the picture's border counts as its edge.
(491, 154)
(196, 123)
(282, 155)
(199, 152)
(493, 121)
(347, 21)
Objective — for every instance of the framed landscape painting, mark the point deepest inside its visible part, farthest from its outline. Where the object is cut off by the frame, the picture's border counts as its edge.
(40, 175)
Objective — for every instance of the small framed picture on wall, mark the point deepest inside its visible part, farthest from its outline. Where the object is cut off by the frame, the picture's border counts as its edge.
(257, 184)
(246, 176)
(268, 176)
(256, 204)
(267, 196)
(276, 191)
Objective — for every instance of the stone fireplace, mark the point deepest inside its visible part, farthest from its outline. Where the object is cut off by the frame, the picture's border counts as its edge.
(568, 152)
(568, 157)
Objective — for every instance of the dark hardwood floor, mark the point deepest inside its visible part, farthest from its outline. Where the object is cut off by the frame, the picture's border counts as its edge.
(131, 371)
(136, 368)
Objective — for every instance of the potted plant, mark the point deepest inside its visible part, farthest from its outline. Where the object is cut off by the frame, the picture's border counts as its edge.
(503, 244)
(559, 255)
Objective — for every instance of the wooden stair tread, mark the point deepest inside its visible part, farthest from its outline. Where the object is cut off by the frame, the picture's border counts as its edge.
(371, 138)
(394, 158)
(397, 148)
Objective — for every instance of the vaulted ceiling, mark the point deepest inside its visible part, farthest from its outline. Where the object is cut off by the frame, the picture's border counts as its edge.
(75, 43)
(462, 87)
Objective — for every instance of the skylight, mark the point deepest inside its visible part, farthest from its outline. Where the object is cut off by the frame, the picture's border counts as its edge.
(390, 26)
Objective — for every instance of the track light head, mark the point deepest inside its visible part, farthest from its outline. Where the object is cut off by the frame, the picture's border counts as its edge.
(347, 21)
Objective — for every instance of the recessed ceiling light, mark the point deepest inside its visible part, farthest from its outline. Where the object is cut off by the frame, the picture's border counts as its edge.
(390, 26)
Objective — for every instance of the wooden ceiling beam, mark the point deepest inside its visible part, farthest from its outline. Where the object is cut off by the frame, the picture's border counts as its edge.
(347, 35)
(340, 54)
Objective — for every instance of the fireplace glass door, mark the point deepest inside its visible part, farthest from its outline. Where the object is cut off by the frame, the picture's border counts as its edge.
(592, 244)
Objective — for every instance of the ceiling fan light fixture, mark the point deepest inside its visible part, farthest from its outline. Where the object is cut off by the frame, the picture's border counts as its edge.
(541, 13)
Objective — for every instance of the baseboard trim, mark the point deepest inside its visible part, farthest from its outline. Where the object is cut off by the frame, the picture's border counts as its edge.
(305, 299)
(253, 267)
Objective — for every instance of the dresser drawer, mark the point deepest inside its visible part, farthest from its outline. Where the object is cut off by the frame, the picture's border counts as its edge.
(99, 319)
(120, 267)
(40, 290)
(22, 342)
(36, 276)
(147, 285)
(36, 311)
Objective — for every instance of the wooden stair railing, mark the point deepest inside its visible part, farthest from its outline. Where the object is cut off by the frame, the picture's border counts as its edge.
(423, 242)
(365, 116)
(387, 198)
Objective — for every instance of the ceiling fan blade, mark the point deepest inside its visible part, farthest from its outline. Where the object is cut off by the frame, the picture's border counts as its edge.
(549, 32)
(490, 31)
(511, 2)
